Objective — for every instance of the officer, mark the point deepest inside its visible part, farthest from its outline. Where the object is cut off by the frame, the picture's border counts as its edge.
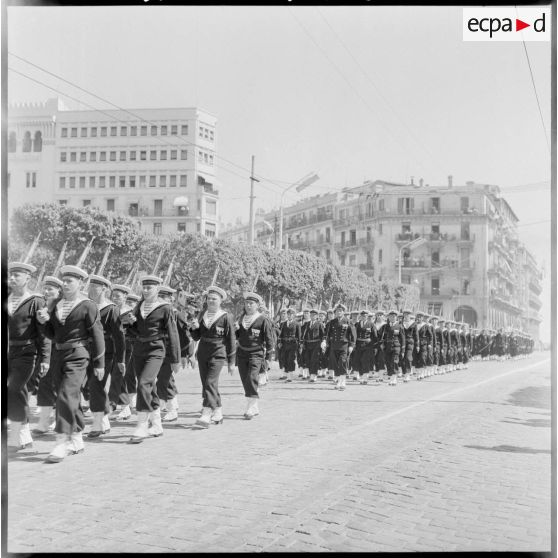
(312, 338)
(289, 341)
(341, 337)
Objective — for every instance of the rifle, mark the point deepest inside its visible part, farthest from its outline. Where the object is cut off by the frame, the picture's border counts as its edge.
(255, 282)
(85, 252)
(215, 274)
(60, 260)
(32, 248)
(104, 260)
(169, 272)
(158, 262)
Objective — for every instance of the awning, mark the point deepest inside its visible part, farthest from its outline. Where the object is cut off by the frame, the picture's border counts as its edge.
(209, 178)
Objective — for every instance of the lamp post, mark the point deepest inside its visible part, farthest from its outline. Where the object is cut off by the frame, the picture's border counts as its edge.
(300, 185)
(413, 244)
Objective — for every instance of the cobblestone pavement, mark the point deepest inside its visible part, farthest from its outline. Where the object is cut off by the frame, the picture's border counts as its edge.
(457, 462)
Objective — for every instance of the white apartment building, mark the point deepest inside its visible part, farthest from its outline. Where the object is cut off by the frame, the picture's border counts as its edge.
(156, 165)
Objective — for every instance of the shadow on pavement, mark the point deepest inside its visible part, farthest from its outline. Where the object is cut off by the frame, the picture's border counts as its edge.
(537, 423)
(509, 449)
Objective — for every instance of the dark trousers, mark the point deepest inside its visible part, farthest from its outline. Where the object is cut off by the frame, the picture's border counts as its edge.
(130, 377)
(421, 357)
(380, 361)
(249, 367)
(340, 359)
(46, 394)
(442, 356)
(148, 359)
(69, 371)
(118, 394)
(21, 364)
(289, 355)
(166, 386)
(280, 357)
(363, 358)
(33, 382)
(407, 360)
(313, 355)
(210, 369)
(392, 359)
(98, 397)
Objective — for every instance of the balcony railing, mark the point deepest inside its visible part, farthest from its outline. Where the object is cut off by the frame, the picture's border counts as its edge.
(299, 244)
(344, 245)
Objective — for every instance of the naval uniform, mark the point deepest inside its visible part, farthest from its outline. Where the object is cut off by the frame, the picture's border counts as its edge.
(411, 342)
(216, 348)
(154, 322)
(25, 342)
(365, 347)
(255, 341)
(314, 334)
(341, 335)
(393, 339)
(440, 346)
(77, 334)
(290, 338)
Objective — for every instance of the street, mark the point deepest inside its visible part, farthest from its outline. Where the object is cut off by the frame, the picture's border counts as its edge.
(457, 462)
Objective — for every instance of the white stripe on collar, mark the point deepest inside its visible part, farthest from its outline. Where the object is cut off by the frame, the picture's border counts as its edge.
(217, 315)
(248, 323)
(21, 301)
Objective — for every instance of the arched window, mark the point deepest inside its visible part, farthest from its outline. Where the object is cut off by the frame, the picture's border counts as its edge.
(38, 143)
(26, 142)
(12, 143)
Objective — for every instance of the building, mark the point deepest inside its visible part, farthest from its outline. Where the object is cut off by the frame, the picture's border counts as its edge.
(156, 165)
(459, 244)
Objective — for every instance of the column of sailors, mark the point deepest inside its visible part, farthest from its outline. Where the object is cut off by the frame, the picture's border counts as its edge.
(117, 351)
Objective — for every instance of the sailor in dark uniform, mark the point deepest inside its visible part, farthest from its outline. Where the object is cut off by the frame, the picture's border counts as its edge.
(73, 324)
(312, 338)
(411, 342)
(215, 331)
(302, 351)
(441, 345)
(26, 344)
(131, 377)
(454, 345)
(366, 339)
(255, 344)
(289, 341)
(154, 325)
(421, 353)
(393, 338)
(279, 349)
(379, 362)
(330, 314)
(435, 349)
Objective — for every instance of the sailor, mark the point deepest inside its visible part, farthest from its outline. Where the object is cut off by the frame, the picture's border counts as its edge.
(435, 348)
(312, 338)
(152, 320)
(26, 344)
(255, 344)
(366, 339)
(441, 344)
(302, 351)
(322, 370)
(280, 351)
(132, 299)
(411, 342)
(341, 338)
(379, 362)
(114, 355)
(330, 314)
(393, 338)
(421, 352)
(214, 329)
(74, 325)
(289, 340)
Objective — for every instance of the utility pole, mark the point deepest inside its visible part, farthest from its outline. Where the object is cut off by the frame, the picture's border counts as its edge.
(252, 180)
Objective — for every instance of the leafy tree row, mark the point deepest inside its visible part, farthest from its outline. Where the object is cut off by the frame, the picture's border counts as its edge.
(282, 277)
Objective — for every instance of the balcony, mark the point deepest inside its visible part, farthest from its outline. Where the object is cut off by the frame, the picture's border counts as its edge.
(535, 303)
(464, 239)
(299, 244)
(293, 223)
(347, 221)
(441, 237)
(406, 237)
(535, 285)
(344, 245)
(504, 299)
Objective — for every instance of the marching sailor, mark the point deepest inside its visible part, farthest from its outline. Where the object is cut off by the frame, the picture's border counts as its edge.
(314, 334)
(289, 340)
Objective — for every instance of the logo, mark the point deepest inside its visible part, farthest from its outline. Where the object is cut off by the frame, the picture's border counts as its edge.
(506, 24)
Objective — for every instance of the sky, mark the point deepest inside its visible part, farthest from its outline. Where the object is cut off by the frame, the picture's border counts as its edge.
(351, 93)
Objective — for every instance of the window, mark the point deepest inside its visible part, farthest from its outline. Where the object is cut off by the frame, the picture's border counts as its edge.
(64, 133)
(133, 130)
(173, 155)
(181, 227)
(142, 181)
(465, 233)
(73, 132)
(123, 155)
(464, 204)
(182, 211)
(152, 181)
(406, 227)
(352, 260)
(62, 156)
(157, 208)
(94, 132)
(163, 130)
(82, 157)
(132, 155)
(380, 253)
(85, 203)
(173, 181)
(352, 237)
(174, 130)
(132, 181)
(368, 234)
(405, 206)
(183, 179)
(211, 135)
(122, 182)
(103, 156)
(102, 181)
(73, 156)
(113, 130)
(200, 132)
(113, 155)
(72, 181)
(163, 181)
(210, 230)
(91, 182)
(183, 154)
(62, 202)
(143, 155)
(328, 234)
(381, 205)
(163, 155)
(435, 286)
(103, 131)
(112, 181)
(93, 156)
(211, 207)
(110, 205)
(328, 253)
(464, 259)
(62, 182)
(153, 130)
(199, 204)
(84, 132)
(82, 181)
(380, 229)
(157, 228)
(38, 142)
(133, 210)
(435, 228)
(342, 259)
(211, 160)
(465, 287)
(435, 205)
(184, 131)
(123, 131)
(436, 258)
(153, 155)
(143, 130)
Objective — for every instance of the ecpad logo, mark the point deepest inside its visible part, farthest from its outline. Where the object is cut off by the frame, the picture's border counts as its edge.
(506, 24)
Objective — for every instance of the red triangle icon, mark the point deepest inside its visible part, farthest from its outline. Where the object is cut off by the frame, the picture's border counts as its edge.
(519, 25)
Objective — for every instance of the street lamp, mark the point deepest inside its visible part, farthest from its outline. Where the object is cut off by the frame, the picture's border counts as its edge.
(413, 244)
(304, 182)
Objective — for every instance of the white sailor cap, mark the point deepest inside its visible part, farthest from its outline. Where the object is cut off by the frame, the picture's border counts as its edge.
(133, 296)
(254, 297)
(53, 281)
(217, 290)
(165, 289)
(22, 267)
(99, 280)
(122, 288)
(74, 271)
(151, 280)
